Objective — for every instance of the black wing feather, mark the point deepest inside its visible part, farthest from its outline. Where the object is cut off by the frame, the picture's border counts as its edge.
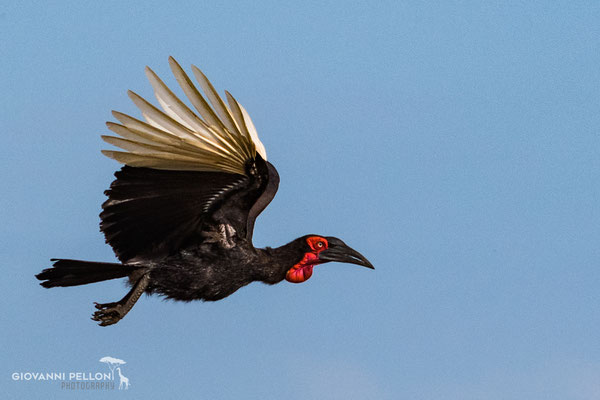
(152, 212)
(149, 211)
(270, 188)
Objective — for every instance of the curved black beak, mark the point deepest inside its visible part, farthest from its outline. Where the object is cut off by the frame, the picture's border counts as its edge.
(341, 252)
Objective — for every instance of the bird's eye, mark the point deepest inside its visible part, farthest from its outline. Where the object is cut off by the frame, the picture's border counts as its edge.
(316, 243)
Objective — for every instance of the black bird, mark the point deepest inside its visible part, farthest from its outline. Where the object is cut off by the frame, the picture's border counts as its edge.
(181, 212)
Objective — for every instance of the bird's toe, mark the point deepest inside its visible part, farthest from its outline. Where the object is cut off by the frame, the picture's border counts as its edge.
(107, 314)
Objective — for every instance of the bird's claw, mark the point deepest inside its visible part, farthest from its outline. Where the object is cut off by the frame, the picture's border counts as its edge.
(108, 313)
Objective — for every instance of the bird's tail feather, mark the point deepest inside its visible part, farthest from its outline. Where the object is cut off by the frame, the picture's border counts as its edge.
(75, 272)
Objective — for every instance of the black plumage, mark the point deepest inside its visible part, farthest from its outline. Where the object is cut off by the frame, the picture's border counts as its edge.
(181, 213)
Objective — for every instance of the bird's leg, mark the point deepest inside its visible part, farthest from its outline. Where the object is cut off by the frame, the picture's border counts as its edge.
(111, 313)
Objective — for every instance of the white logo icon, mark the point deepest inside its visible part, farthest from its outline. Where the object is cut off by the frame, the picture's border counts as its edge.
(115, 363)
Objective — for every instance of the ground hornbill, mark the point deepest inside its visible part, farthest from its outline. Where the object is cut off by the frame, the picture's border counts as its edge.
(181, 212)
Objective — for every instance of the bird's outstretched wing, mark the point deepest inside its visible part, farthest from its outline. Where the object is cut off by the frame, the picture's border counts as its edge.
(187, 175)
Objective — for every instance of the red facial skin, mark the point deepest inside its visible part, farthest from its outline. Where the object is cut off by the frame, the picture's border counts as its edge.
(303, 270)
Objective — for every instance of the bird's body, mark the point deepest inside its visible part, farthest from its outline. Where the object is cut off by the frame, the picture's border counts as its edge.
(211, 272)
(181, 213)
(207, 272)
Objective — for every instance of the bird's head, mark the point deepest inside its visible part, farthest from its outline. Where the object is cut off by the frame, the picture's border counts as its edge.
(321, 249)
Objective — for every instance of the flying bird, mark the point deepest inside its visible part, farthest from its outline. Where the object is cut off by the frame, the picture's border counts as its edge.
(180, 213)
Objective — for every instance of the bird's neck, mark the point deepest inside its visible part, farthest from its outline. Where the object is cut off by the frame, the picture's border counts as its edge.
(276, 262)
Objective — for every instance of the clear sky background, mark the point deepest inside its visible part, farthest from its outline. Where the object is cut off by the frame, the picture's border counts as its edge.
(456, 144)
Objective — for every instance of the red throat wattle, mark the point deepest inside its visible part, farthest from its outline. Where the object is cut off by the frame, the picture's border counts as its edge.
(303, 270)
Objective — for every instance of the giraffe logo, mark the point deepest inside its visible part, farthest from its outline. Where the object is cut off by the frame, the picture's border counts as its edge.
(116, 364)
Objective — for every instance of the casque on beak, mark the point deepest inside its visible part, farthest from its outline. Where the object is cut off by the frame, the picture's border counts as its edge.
(341, 252)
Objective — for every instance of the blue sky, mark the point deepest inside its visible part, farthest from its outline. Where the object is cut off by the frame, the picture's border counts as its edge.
(455, 144)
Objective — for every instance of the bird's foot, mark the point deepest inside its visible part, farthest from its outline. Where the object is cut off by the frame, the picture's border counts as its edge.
(111, 313)
(108, 313)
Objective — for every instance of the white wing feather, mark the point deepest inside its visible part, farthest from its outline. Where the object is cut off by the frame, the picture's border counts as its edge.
(221, 138)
